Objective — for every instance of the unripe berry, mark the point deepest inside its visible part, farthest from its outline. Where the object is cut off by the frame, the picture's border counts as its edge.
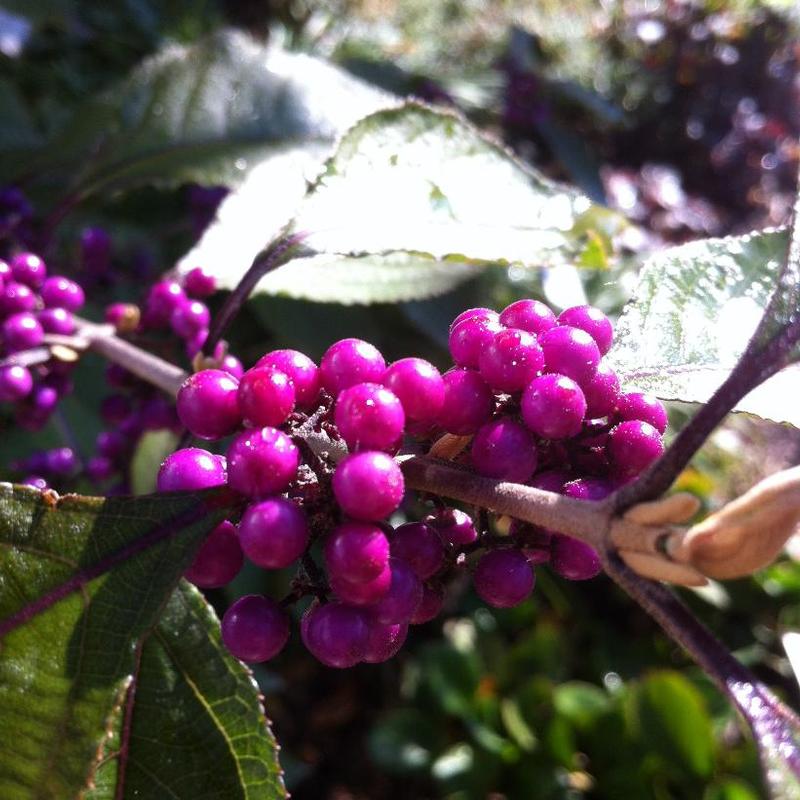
(255, 628)
(262, 462)
(348, 362)
(368, 485)
(369, 417)
(208, 404)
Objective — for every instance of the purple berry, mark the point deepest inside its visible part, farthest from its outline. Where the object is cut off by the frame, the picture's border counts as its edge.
(573, 559)
(218, 560)
(335, 634)
(162, 300)
(35, 482)
(571, 352)
(43, 400)
(348, 362)
(471, 337)
(503, 578)
(642, 407)
(274, 533)
(16, 298)
(591, 320)
(232, 366)
(29, 269)
(552, 480)
(57, 320)
(189, 318)
(262, 462)
(255, 628)
(553, 407)
(158, 414)
(588, 489)
(195, 342)
(21, 332)
(99, 469)
(367, 593)
(16, 383)
(632, 446)
(468, 401)
(301, 371)
(266, 397)
(510, 361)
(528, 315)
(475, 313)
(190, 468)
(430, 606)
(208, 404)
(384, 641)
(420, 547)
(61, 292)
(61, 461)
(123, 316)
(418, 385)
(400, 602)
(505, 450)
(357, 552)
(601, 392)
(369, 417)
(453, 526)
(368, 486)
(199, 283)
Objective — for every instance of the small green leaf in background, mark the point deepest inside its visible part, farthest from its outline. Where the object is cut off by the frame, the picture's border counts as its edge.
(730, 790)
(674, 722)
(151, 449)
(694, 310)
(580, 703)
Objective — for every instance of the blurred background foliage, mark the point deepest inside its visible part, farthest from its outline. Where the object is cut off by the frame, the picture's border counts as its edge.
(685, 117)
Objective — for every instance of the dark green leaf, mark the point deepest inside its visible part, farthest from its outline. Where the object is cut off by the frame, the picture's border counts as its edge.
(82, 580)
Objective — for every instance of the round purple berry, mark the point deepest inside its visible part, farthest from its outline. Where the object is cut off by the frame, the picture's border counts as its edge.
(369, 417)
(16, 383)
(400, 602)
(593, 321)
(266, 397)
(218, 560)
(190, 468)
(189, 318)
(471, 337)
(468, 401)
(553, 406)
(348, 362)
(57, 320)
(511, 360)
(588, 489)
(418, 385)
(15, 298)
(163, 298)
(274, 533)
(35, 482)
(199, 283)
(430, 606)
(367, 593)
(232, 366)
(642, 407)
(29, 269)
(21, 332)
(528, 315)
(505, 450)
(301, 371)
(573, 559)
(601, 392)
(420, 547)
(255, 628)
(475, 313)
(454, 526)
(262, 462)
(368, 486)
(61, 292)
(208, 404)
(384, 641)
(61, 461)
(503, 578)
(632, 446)
(571, 352)
(357, 552)
(335, 634)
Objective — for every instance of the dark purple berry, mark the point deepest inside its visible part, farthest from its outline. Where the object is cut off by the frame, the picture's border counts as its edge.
(588, 489)
(356, 552)
(468, 401)
(274, 533)
(571, 352)
(266, 397)
(35, 482)
(99, 468)
(218, 560)
(552, 480)
(573, 559)
(642, 407)
(95, 251)
(61, 461)
(367, 593)
(158, 414)
(528, 315)
(553, 406)
(255, 628)
(43, 399)
(369, 417)
(29, 269)
(16, 383)
(430, 606)
(301, 371)
(471, 337)
(400, 602)
(418, 385)
(453, 526)
(633, 446)
(418, 545)
(591, 320)
(601, 392)
(511, 360)
(335, 634)
(190, 468)
(368, 485)
(262, 462)
(207, 404)
(61, 292)
(503, 578)
(199, 283)
(348, 362)
(384, 641)
(506, 450)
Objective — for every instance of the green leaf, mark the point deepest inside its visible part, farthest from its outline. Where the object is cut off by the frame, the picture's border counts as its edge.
(694, 310)
(580, 703)
(151, 449)
(82, 580)
(674, 722)
(197, 727)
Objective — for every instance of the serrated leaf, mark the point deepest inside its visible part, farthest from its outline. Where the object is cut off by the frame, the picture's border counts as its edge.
(197, 728)
(694, 311)
(82, 580)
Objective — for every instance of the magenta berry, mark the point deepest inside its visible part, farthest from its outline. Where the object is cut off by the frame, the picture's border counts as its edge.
(503, 578)
(301, 371)
(16, 297)
(420, 547)
(262, 462)
(336, 634)
(384, 641)
(16, 383)
(403, 597)
(591, 320)
(454, 526)
(21, 332)
(232, 366)
(468, 402)
(357, 552)
(199, 283)
(61, 292)
(633, 446)
(366, 593)
(642, 407)
(511, 360)
(274, 532)
(208, 404)
(56, 320)
(553, 406)
(368, 485)
(190, 468)
(471, 337)
(369, 417)
(430, 606)
(218, 560)
(255, 628)
(266, 397)
(348, 362)
(189, 318)
(571, 352)
(528, 315)
(601, 392)
(573, 559)
(29, 269)
(506, 450)
(162, 300)
(475, 313)
(588, 489)
(418, 385)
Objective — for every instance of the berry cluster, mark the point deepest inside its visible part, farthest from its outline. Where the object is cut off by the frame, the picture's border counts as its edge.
(529, 400)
